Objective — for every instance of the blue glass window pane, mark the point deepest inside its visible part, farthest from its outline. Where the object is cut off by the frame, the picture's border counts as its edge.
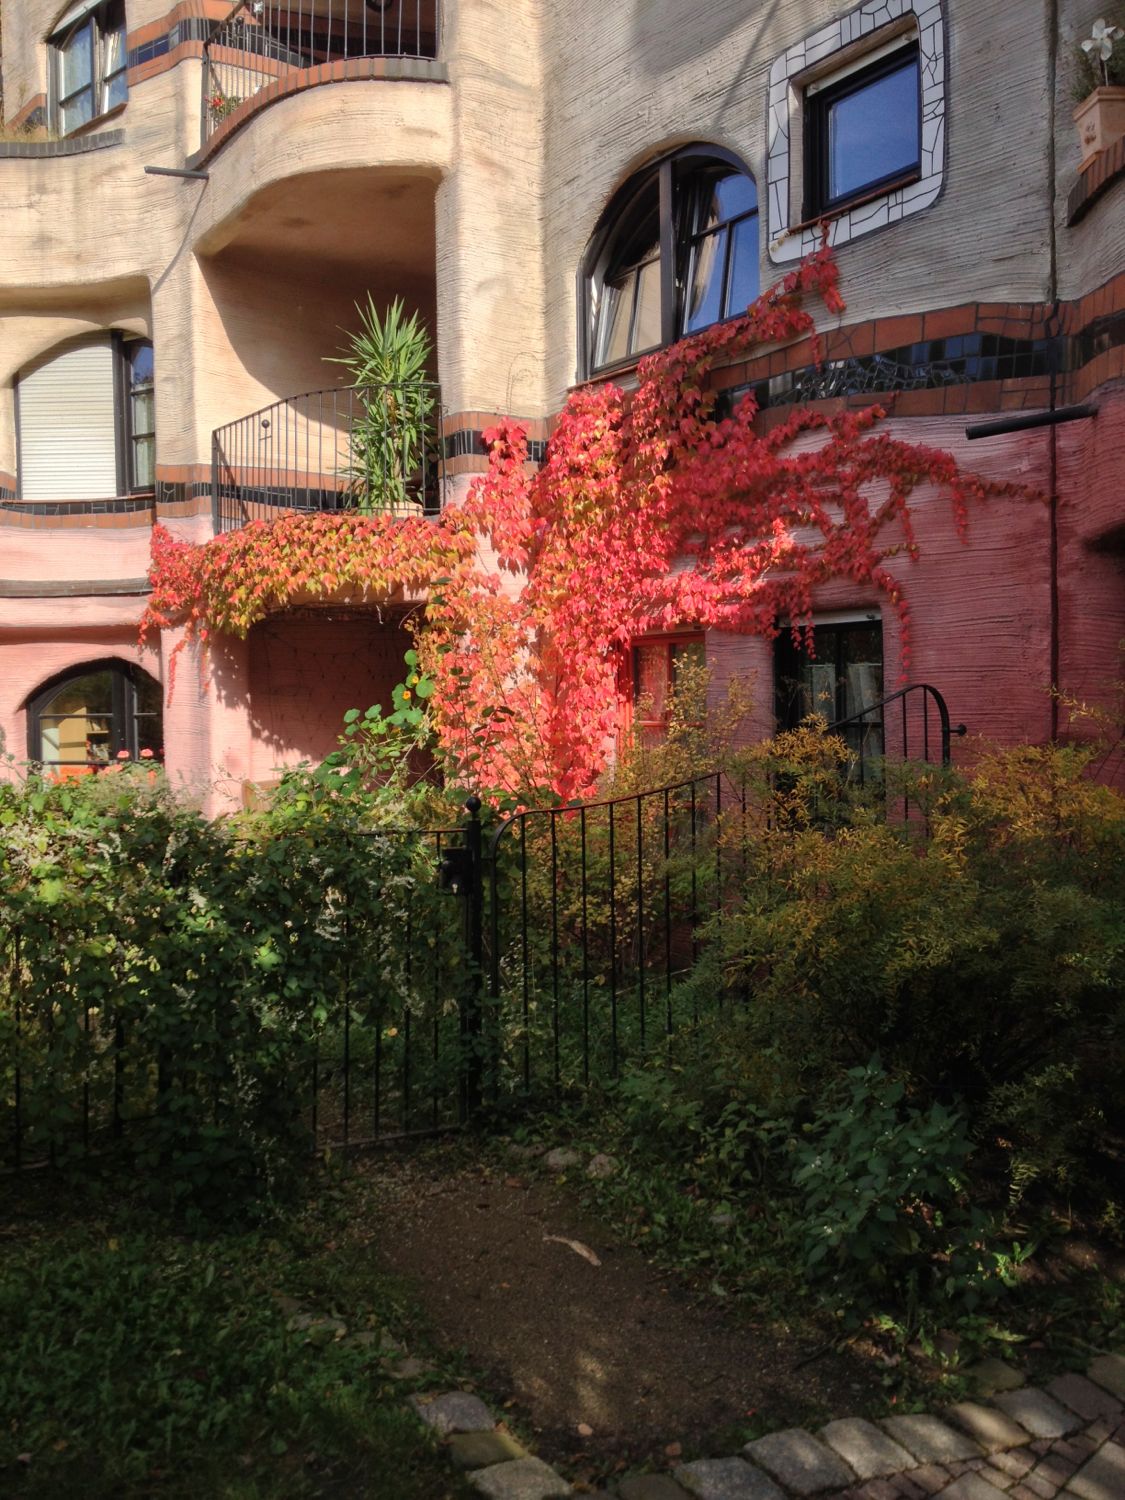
(736, 194)
(724, 199)
(77, 111)
(611, 338)
(76, 58)
(744, 283)
(873, 132)
(646, 333)
(141, 363)
(116, 91)
(704, 304)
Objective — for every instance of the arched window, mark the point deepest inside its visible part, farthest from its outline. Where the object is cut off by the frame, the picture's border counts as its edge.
(676, 250)
(93, 716)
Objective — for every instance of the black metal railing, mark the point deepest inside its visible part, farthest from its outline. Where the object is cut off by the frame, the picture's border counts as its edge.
(262, 43)
(459, 970)
(912, 725)
(596, 916)
(375, 449)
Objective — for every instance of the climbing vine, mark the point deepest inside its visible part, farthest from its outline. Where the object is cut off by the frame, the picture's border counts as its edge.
(652, 510)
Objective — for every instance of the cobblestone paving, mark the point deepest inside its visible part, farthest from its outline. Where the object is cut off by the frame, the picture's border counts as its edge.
(1025, 1444)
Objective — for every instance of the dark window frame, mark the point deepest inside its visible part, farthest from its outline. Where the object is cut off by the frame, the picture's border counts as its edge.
(675, 172)
(788, 660)
(100, 21)
(817, 110)
(128, 435)
(126, 677)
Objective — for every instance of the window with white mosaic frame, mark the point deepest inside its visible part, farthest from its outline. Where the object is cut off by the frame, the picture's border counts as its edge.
(856, 125)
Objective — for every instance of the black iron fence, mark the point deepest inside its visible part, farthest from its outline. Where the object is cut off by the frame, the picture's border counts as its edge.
(464, 967)
(263, 43)
(912, 725)
(89, 1057)
(596, 914)
(374, 449)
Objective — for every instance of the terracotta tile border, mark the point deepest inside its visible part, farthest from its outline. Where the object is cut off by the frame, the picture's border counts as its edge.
(405, 69)
(1094, 180)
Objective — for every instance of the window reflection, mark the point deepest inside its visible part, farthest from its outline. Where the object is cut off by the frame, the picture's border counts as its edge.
(841, 679)
(94, 719)
(643, 292)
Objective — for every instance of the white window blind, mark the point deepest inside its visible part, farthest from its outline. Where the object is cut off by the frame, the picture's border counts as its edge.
(67, 431)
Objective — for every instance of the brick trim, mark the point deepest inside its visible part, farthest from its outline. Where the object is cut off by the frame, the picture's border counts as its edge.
(36, 105)
(976, 357)
(353, 70)
(1096, 178)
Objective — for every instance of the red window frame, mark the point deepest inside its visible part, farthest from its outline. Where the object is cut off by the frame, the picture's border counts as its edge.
(661, 649)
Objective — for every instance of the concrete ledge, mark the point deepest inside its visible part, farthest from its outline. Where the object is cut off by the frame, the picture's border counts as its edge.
(82, 588)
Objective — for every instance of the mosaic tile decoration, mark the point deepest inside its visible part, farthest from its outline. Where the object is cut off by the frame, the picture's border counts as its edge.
(788, 243)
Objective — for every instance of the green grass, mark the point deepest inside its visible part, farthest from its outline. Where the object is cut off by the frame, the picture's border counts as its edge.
(138, 1361)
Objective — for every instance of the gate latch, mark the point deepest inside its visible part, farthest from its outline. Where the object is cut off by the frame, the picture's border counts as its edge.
(455, 872)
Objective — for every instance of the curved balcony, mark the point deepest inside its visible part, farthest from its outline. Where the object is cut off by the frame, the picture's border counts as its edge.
(376, 450)
(266, 48)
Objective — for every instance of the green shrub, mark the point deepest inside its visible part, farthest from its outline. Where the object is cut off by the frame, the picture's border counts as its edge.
(167, 982)
(985, 962)
(884, 1197)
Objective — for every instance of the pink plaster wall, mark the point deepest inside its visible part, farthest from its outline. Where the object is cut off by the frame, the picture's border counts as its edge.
(980, 610)
(29, 658)
(59, 553)
(304, 674)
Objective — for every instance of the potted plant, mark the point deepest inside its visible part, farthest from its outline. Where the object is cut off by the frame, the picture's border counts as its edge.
(1100, 116)
(389, 458)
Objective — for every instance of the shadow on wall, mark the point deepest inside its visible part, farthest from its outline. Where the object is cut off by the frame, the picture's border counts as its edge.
(667, 34)
(306, 671)
(363, 231)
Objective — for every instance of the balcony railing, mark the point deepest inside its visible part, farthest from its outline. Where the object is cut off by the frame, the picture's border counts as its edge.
(372, 449)
(263, 42)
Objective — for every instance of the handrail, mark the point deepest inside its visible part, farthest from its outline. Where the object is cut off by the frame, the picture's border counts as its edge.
(375, 449)
(863, 717)
(261, 42)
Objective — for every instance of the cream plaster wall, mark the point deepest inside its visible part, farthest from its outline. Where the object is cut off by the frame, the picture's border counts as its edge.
(629, 80)
(490, 209)
(88, 237)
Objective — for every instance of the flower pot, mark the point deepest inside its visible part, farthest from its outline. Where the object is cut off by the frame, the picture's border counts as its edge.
(1101, 120)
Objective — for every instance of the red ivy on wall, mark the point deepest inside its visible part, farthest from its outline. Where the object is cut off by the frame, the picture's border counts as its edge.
(648, 513)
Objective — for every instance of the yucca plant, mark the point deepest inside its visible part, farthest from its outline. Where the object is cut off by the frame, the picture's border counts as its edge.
(387, 358)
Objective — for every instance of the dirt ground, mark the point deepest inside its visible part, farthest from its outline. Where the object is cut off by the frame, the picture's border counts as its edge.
(618, 1348)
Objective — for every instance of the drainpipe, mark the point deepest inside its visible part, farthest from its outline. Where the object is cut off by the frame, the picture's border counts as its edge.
(1053, 334)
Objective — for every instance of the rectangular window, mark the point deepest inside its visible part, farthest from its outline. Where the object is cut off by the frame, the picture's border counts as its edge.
(88, 64)
(661, 666)
(841, 680)
(85, 423)
(863, 131)
(142, 416)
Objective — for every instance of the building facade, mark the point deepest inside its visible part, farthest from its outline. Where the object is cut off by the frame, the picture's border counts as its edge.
(197, 196)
